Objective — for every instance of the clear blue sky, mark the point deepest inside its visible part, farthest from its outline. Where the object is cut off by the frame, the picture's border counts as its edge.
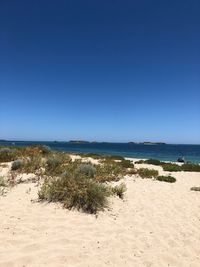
(100, 70)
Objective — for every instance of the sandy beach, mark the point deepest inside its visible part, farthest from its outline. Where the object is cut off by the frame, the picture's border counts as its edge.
(157, 224)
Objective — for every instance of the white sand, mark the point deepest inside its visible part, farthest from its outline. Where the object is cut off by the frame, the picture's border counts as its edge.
(158, 224)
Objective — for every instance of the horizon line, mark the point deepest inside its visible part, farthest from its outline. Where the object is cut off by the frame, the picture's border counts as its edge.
(63, 141)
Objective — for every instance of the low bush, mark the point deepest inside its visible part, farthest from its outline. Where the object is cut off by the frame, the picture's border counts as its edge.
(16, 165)
(83, 194)
(191, 167)
(147, 173)
(168, 179)
(195, 188)
(150, 161)
(170, 167)
(111, 171)
(52, 163)
(32, 164)
(54, 166)
(131, 172)
(45, 149)
(119, 190)
(2, 181)
(154, 162)
(7, 154)
(141, 161)
(126, 163)
(86, 169)
(114, 157)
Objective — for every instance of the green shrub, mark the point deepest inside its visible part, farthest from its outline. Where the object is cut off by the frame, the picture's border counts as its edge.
(45, 149)
(56, 164)
(114, 157)
(86, 169)
(109, 171)
(83, 194)
(119, 190)
(52, 163)
(170, 167)
(2, 181)
(126, 163)
(131, 172)
(141, 161)
(17, 164)
(32, 164)
(7, 154)
(154, 162)
(191, 167)
(195, 188)
(92, 199)
(168, 179)
(150, 161)
(147, 173)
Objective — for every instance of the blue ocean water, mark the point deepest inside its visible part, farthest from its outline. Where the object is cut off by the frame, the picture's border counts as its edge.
(162, 152)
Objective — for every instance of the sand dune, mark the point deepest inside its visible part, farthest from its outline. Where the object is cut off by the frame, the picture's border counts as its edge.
(156, 225)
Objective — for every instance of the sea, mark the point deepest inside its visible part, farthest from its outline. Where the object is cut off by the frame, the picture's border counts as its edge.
(167, 152)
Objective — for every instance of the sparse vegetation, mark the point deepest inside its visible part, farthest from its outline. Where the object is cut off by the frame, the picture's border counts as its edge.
(150, 161)
(79, 185)
(109, 171)
(2, 181)
(168, 179)
(170, 167)
(147, 173)
(195, 188)
(126, 163)
(119, 190)
(45, 149)
(86, 169)
(7, 154)
(32, 164)
(114, 157)
(17, 164)
(189, 167)
(83, 194)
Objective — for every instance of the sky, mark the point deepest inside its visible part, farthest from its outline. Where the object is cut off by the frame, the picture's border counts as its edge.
(112, 71)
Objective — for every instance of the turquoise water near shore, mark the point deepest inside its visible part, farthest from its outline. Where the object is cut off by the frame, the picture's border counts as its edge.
(162, 152)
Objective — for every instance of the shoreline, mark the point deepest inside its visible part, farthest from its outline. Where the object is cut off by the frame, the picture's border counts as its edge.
(161, 152)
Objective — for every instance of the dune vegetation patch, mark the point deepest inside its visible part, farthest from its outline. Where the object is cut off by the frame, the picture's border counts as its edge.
(167, 179)
(76, 184)
(171, 167)
(80, 193)
(2, 181)
(7, 154)
(195, 188)
(147, 173)
(119, 190)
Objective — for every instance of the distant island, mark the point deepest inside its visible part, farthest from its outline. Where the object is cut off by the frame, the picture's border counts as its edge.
(78, 142)
(153, 143)
(147, 143)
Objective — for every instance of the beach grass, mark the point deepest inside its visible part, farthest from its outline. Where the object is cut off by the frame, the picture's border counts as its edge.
(167, 179)
(147, 173)
(195, 188)
(171, 167)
